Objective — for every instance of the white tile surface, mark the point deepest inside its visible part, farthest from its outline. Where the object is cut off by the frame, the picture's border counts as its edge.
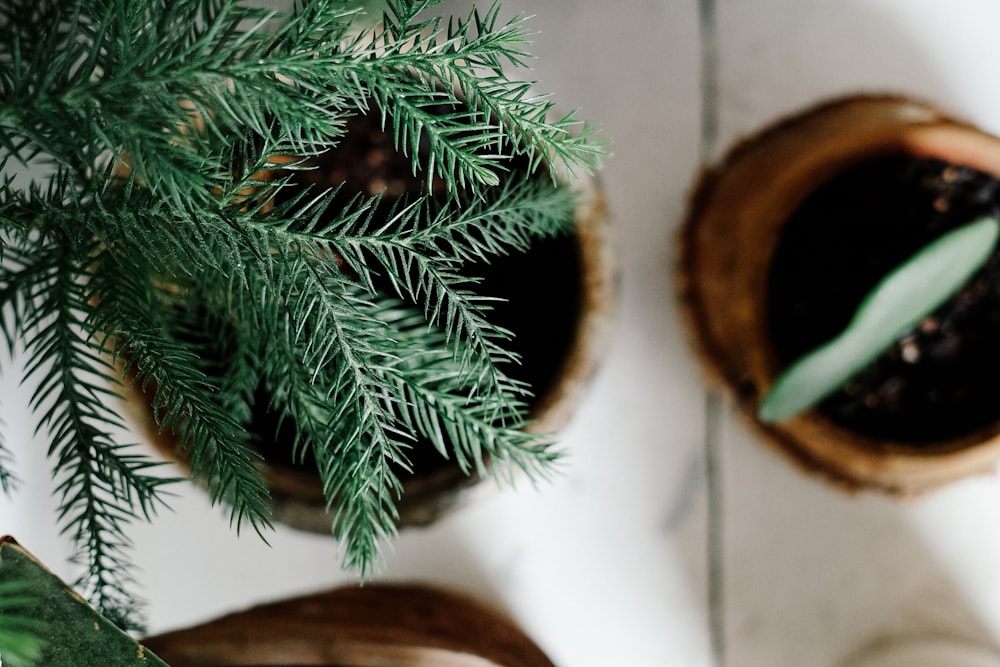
(608, 565)
(812, 575)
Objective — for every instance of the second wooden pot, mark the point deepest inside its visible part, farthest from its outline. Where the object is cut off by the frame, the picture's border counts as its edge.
(733, 275)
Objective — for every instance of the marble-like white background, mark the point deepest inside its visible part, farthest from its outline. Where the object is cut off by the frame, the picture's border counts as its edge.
(609, 563)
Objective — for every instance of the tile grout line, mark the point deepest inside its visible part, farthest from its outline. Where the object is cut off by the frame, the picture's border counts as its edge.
(709, 83)
(709, 55)
(714, 541)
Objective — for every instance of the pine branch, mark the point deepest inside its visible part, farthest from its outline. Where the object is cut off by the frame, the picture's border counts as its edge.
(464, 65)
(360, 393)
(183, 399)
(460, 416)
(8, 480)
(331, 359)
(422, 247)
(101, 485)
(331, 387)
(187, 63)
(223, 78)
(353, 361)
(378, 380)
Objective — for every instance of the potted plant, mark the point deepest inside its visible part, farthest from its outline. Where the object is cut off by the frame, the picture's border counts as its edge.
(787, 236)
(169, 247)
(553, 297)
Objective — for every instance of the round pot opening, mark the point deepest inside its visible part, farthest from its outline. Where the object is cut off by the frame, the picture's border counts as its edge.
(786, 235)
(936, 383)
(555, 298)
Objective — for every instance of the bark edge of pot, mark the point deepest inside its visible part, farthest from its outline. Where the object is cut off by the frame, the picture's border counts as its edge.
(377, 624)
(297, 497)
(730, 233)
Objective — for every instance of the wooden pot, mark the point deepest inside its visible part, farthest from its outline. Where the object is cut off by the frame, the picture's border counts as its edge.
(370, 626)
(298, 498)
(728, 241)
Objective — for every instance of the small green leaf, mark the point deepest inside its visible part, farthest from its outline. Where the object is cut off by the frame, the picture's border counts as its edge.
(903, 298)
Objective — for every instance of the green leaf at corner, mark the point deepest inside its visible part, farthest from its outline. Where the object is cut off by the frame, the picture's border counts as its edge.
(903, 298)
(60, 628)
(20, 632)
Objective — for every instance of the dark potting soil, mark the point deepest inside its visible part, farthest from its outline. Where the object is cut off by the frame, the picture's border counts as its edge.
(540, 289)
(940, 380)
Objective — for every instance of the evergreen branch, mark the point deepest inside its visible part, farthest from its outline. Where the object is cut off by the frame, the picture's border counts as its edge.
(214, 79)
(8, 480)
(359, 483)
(380, 379)
(355, 469)
(355, 466)
(415, 259)
(336, 389)
(101, 486)
(422, 246)
(528, 124)
(460, 417)
(472, 55)
(184, 400)
(327, 386)
(331, 390)
(465, 148)
(139, 57)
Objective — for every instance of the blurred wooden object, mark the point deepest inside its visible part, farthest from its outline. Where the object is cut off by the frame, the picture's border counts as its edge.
(374, 625)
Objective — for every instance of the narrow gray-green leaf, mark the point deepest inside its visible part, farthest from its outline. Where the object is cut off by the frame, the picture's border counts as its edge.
(903, 298)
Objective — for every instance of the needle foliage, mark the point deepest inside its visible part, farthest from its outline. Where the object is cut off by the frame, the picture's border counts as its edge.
(136, 237)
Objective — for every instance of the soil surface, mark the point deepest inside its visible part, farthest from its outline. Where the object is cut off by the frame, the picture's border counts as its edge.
(938, 381)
